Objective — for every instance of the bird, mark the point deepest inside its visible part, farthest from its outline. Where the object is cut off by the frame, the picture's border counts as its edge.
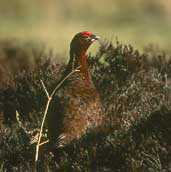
(78, 107)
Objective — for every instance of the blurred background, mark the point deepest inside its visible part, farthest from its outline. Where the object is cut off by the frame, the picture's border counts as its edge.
(54, 22)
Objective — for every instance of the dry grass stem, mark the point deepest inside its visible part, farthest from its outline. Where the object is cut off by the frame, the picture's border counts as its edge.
(44, 87)
(20, 123)
(49, 96)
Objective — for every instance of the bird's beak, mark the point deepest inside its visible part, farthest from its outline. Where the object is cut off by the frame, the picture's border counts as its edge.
(95, 37)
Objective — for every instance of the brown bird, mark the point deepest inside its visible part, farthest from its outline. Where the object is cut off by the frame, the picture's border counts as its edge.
(78, 107)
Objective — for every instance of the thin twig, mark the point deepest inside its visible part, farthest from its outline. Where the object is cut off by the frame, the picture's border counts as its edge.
(49, 96)
(20, 123)
(44, 87)
(42, 143)
(58, 86)
(41, 130)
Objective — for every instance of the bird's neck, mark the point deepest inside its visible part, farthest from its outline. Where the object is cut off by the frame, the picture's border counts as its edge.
(79, 59)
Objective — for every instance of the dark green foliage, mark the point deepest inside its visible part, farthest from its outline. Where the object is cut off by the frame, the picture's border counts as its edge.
(22, 67)
(137, 98)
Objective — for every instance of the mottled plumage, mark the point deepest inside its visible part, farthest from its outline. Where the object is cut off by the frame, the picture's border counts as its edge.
(78, 107)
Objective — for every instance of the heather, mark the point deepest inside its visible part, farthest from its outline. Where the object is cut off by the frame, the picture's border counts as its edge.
(136, 92)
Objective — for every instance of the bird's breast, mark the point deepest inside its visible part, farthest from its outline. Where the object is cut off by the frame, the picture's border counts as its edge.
(82, 102)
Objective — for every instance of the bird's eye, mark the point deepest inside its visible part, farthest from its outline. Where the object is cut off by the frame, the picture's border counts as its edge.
(85, 37)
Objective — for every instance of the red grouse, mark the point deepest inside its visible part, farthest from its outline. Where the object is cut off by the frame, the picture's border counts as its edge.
(78, 107)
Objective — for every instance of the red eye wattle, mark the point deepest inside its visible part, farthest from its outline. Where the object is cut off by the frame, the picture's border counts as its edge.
(86, 33)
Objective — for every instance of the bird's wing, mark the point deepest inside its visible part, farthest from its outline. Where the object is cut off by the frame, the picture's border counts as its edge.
(55, 118)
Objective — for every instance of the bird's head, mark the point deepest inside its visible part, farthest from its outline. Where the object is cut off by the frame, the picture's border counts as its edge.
(82, 41)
